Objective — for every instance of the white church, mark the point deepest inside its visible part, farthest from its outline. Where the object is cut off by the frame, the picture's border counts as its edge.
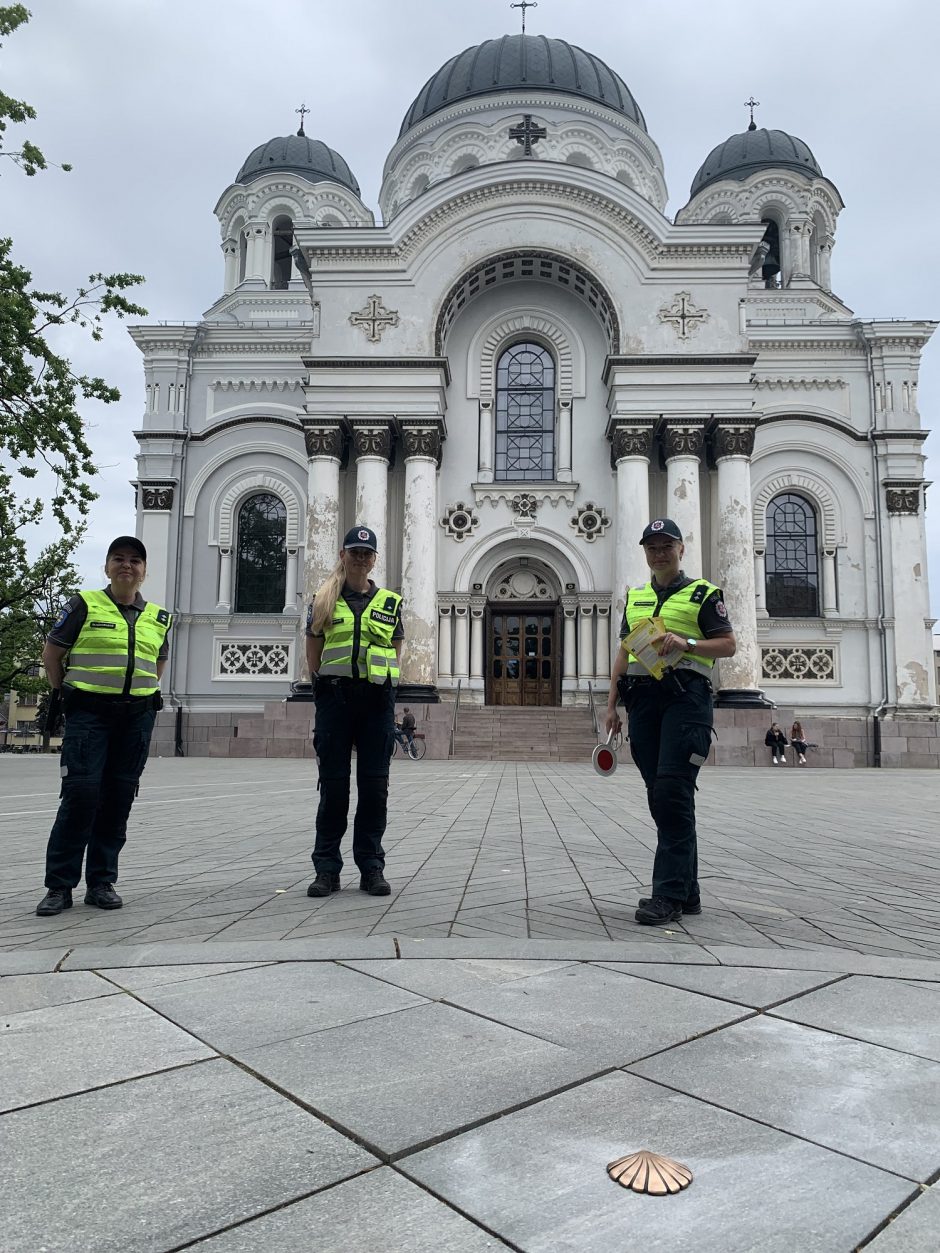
(507, 376)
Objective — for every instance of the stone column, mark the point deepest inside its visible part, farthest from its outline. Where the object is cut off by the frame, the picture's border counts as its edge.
(739, 675)
(422, 447)
(477, 610)
(825, 263)
(372, 444)
(569, 607)
(913, 652)
(563, 464)
(257, 262)
(602, 644)
(684, 441)
(290, 582)
(486, 441)
(230, 253)
(445, 664)
(324, 443)
(225, 581)
(462, 638)
(585, 642)
(830, 607)
(801, 230)
(631, 443)
(156, 513)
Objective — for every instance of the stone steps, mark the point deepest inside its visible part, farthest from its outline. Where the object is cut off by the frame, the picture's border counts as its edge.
(498, 733)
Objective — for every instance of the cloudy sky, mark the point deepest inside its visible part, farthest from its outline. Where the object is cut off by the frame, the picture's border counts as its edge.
(156, 103)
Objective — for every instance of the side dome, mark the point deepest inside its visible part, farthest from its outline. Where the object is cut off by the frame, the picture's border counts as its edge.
(521, 63)
(752, 150)
(297, 154)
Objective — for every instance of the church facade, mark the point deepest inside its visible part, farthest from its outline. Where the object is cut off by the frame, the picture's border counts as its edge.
(507, 377)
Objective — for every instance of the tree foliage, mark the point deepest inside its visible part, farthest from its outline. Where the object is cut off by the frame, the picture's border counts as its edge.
(41, 424)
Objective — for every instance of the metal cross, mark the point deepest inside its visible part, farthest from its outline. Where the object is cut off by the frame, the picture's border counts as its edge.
(525, 4)
(374, 318)
(527, 134)
(752, 105)
(302, 110)
(683, 315)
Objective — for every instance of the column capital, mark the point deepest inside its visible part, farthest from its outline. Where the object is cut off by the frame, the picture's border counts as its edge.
(683, 437)
(372, 437)
(904, 496)
(477, 606)
(323, 439)
(734, 437)
(422, 437)
(630, 437)
(157, 495)
(569, 605)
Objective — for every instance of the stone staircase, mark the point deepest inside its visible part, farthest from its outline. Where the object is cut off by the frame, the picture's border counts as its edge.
(506, 733)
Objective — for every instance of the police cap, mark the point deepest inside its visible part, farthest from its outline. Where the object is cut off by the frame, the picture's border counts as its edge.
(661, 526)
(127, 541)
(361, 537)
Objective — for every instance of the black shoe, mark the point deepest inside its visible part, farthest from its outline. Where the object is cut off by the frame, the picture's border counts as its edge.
(55, 900)
(689, 907)
(103, 896)
(375, 883)
(660, 909)
(323, 884)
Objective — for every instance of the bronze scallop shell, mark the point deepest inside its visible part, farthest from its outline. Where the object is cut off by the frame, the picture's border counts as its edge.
(650, 1173)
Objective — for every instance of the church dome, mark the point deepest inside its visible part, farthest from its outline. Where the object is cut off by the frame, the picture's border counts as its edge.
(753, 150)
(297, 154)
(521, 63)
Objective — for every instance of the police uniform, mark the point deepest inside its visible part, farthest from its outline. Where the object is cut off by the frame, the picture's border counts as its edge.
(355, 704)
(670, 725)
(110, 696)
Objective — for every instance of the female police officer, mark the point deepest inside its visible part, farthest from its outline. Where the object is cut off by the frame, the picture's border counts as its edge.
(354, 636)
(106, 652)
(670, 719)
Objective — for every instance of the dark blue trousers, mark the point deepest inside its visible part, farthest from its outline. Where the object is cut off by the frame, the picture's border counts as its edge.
(362, 715)
(104, 751)
(670, 734)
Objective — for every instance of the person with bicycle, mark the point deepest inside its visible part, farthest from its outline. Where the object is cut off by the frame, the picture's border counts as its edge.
(405, 731)
(353, 643)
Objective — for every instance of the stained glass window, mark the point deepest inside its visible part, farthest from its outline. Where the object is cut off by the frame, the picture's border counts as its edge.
(525, 414)
(261, 569)
(791, 557)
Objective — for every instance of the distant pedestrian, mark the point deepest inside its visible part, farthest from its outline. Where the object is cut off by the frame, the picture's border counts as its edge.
(405, 731)
(798, 740)
(776, 741)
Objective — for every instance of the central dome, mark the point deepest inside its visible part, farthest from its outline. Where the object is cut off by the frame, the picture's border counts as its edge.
(521, 63)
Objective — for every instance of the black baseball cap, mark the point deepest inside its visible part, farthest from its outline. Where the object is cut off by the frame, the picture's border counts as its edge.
(128, 541)
(361, 537)
(661, 526)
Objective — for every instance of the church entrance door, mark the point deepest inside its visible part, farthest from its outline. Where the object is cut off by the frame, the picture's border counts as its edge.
(523, 658)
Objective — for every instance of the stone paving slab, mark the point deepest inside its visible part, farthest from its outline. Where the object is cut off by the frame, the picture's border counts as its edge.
(160, 1161)
(48, 1053)
(245, 951)
(374, 1213)
(447, 979)
(871, 1103)
(19, 993)
(31, 962)
(755, 988)
(140, 978)
(915, 1230)
(537, 1178)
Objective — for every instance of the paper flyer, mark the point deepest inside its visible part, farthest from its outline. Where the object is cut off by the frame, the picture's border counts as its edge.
(641, 643)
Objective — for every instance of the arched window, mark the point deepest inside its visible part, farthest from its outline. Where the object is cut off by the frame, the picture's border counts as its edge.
(525, 414)
(791, 558)
(242, 255)
(261, 570)
(281, 262)
(770, 270)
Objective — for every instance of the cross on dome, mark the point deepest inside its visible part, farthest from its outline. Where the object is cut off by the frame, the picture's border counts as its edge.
(523, 5)
(302, 110)
(752, 105)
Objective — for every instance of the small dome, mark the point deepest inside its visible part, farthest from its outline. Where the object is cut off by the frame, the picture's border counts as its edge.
(520, 63)
(296, 154)
(753, 150)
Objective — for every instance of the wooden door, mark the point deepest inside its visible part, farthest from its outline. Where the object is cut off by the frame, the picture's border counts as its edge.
(522, 656)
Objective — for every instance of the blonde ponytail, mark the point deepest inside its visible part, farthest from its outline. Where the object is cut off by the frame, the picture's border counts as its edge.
(327, 595)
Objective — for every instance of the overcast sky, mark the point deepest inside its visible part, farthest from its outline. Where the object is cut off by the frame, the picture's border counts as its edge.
(156, 103)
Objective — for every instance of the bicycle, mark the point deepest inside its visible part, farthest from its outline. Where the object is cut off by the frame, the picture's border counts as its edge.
(417, 750)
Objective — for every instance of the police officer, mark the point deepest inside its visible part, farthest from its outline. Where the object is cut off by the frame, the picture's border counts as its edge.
(106, 652)
(670, 719)
(354, 636)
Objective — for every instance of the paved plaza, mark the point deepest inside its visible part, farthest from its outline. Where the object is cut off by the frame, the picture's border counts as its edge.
(228, 1065)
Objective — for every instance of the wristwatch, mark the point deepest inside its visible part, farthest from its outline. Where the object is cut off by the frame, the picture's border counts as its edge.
(692, 643)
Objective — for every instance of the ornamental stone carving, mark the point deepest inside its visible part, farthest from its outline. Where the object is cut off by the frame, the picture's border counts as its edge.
(734, 440)
(683, 314)
(370, 440)
(422, 441)
(683, 439)
(157, 497)
(798, 665)
(904, 498)
(324, 441)
(631, 440)
(252, 659)
(524, 505)
(523, 585)
(374, 319)
(590, 521)
(459, 521)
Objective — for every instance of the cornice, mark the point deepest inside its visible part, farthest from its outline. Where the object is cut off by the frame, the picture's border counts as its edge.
(722, 362)
(917, 436)
(180, 435)
(379, 363)
(802, 384)
(816, 419)
(256, 420)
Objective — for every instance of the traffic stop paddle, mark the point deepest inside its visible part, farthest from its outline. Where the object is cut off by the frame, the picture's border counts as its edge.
(604, 757)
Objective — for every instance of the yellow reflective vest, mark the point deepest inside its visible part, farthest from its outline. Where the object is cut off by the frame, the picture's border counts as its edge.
(679, 613)
(113, 658)
(374, 651)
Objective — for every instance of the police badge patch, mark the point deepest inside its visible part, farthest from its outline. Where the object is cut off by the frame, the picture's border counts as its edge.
(720, 609)
(60, 621)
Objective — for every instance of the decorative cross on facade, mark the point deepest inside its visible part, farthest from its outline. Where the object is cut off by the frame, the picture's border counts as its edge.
(302, 110)
(374, 318)
(683, 315)
(527, 134)
(525, 4)
(752, 105)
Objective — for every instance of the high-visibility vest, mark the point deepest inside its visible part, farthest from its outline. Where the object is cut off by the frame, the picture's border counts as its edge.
(679, 613)
(112, 658)
(376, 659)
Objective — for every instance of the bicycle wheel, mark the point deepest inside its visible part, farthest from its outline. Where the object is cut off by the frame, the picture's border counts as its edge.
(418, 749)
(396, 745)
